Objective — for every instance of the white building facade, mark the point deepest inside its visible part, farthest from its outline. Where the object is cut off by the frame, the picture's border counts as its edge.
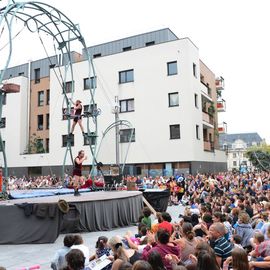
(160, 94)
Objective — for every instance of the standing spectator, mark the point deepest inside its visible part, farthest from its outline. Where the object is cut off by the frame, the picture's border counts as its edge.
(59, 260)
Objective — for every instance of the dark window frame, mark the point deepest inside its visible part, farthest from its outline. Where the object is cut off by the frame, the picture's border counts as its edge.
(126, 77)
(39, 125)
(198, 132)
(196, 100)
(169, 95)
(68, 86)
(47, 121)
(150, 43)
(125, 101)
(3, 122)
(48, 97)
(126, 49)
(90, 83)
(64, 140)
(168, 68)
(47, 145)
(194, 67)
(86, 140)
(37, 75)
(41, 101)
(172, 136)
(124, 138)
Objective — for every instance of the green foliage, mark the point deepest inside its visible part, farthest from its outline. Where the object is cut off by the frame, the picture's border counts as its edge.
(259, 157)
(35, 145)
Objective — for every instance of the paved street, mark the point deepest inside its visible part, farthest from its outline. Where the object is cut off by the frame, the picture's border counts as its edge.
(14, 257)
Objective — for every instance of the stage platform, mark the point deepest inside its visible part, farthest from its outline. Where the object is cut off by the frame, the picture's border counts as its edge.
(39, 220)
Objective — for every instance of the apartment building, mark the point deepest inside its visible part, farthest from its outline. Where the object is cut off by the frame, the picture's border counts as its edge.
(163, 89)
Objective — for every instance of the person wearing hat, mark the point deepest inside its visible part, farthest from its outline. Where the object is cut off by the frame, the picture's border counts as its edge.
(78, 115)
(77, 172)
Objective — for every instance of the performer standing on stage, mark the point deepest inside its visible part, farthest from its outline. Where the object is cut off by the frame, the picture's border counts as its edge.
(77, 172)
(78, 115)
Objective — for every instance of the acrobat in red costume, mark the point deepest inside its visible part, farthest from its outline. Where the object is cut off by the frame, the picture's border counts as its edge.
(77, 172)
(77, 116)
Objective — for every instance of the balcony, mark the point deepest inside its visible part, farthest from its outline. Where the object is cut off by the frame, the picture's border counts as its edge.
(208, 146)
(222, 128)
(220, 83)
(208, 121)
(221, 105)
(206, 91)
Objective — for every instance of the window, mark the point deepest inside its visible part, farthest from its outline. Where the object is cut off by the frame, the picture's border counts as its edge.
(4, 146)
(196, 100)
(125, 135)
(172, 68)
(40, 98)
(65, 114)
(234, 163)
(40, 122)
(91, 138)
(150, 43)
(234, 155)
(174, 132)
(126, 76)
(97, 55)
(47, 146)
(48, 97)
(37, 75)
(20, 73)
(92, 108)
(194, 70)
(90, 84)
(51, 66)
(4, 99)
(39, 146)
(68, 86)
(173, 99)
(65, 139)
(127, 105)
(47, 121)
(197, 132)
(126, 49)
(3, 122)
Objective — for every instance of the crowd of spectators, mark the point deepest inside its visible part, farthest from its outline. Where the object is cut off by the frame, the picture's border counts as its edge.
(225, 225)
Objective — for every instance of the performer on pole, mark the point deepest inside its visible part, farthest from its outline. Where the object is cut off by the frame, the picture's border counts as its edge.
(77, 172)
(78, 116)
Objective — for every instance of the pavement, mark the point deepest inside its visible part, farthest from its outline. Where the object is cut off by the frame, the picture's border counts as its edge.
(16, 257)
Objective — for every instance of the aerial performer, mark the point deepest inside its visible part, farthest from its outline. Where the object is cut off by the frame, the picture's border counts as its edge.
(77, 116)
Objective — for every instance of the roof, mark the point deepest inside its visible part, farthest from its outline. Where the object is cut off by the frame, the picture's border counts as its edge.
(248, 138)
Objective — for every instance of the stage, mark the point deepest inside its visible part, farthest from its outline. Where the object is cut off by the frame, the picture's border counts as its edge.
(39, 220)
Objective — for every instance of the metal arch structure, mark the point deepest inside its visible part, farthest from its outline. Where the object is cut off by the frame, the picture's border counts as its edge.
(40, 18)
(112, 126)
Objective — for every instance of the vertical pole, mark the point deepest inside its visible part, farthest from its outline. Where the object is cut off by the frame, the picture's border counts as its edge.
(117, 132)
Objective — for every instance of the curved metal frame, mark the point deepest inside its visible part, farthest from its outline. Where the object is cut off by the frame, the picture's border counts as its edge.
(111, 126)
(51, 21)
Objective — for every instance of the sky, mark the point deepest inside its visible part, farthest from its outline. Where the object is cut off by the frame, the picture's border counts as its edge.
(232, 37)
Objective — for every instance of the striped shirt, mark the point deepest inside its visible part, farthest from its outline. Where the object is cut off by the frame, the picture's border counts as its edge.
(222, 248)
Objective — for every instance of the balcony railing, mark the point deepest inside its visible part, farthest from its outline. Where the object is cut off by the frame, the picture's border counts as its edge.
(222, 128)
(220, 83)
(208, 118)
(221, 105)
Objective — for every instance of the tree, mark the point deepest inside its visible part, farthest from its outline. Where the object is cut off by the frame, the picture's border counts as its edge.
(35, 145)
(259, 156)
